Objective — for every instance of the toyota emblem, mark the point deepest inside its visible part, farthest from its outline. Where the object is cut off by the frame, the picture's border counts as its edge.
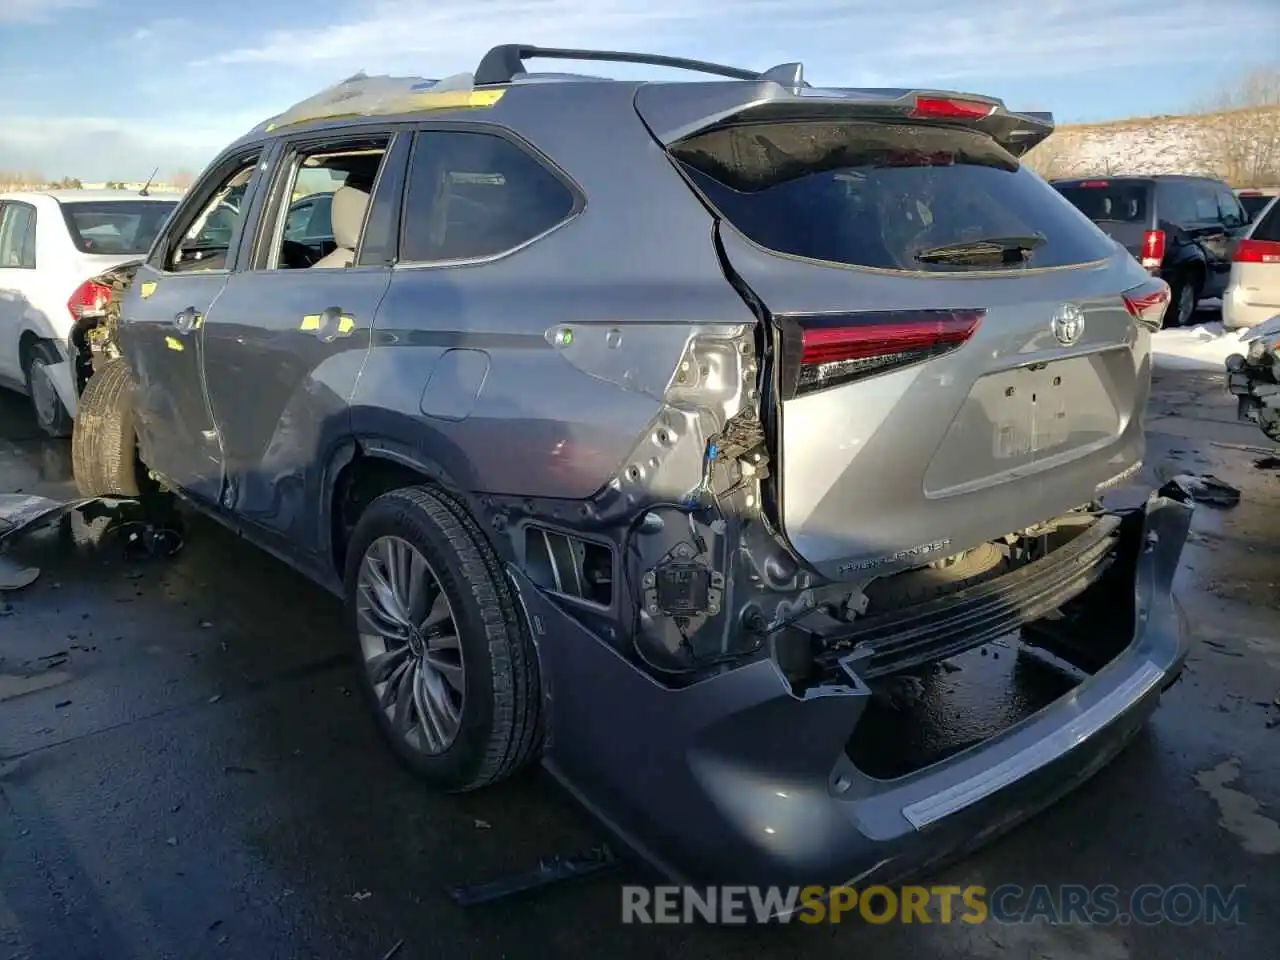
(1068, 324)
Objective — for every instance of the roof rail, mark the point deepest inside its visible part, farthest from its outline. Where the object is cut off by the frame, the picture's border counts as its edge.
(505, 61)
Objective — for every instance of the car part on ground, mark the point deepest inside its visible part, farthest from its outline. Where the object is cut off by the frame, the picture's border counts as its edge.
(863, 396)
(1254, 377)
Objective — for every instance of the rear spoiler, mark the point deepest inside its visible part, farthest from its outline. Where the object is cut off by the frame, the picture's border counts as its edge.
(675, 111)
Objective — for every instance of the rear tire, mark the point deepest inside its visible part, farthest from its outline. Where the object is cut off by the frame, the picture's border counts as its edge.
(1183, 298)
(104, 442)
(463, 639)
(50, 412)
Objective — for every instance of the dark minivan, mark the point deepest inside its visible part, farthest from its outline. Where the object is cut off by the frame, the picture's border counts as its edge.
(1180, 227)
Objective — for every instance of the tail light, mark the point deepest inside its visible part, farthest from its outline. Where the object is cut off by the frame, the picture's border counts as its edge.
(1147, 303)
(1257, 251)
(89, 301)
(950, 108)
(1153, 242)
(1091, 184)
(825, 350)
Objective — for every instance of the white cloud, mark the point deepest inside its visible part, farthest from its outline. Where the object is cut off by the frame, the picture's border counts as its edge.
(35, 11)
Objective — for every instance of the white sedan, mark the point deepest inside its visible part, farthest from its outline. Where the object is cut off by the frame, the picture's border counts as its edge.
(52, 245)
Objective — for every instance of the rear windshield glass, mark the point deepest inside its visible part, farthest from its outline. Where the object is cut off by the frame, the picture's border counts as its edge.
(1254, 205)
(115, 226)
(889, 196)
(1106, 200)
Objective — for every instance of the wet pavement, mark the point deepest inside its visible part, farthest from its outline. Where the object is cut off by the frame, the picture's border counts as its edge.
(186, 770)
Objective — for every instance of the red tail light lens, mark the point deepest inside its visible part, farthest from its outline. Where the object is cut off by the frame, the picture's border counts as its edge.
(1153, 242)
(89, 300)
(826, 350)
(1148, 302)
(1257, 251)
(950, 108)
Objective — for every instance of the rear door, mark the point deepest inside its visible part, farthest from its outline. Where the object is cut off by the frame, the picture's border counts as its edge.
(17, 281)
(1256, 266)
(161, 320)
(1122, 209)
(1212, 236)
(954, 356)
(286, 339)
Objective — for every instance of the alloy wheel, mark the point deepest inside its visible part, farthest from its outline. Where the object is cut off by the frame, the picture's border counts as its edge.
(410, 645)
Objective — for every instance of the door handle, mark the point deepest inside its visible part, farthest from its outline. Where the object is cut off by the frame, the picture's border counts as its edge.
(329, 324)
(184, 321)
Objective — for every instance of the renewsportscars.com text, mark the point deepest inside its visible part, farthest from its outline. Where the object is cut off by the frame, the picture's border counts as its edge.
(1180, 904)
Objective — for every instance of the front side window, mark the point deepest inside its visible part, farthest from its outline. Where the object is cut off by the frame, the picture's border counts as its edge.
(1229, 209)
(328, 189)
(204, 241)
(476, 195)
(17, 236)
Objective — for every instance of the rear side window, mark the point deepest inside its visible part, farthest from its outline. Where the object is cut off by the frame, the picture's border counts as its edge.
(17, 235)
(1111, 201)
(475, 195)
(115, 226)
(888, 196)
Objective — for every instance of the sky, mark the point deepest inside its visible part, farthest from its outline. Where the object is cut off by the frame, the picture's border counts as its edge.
(111, 89)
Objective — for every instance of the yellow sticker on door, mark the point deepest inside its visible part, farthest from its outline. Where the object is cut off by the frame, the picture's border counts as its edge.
(147, 289)
(173, 343)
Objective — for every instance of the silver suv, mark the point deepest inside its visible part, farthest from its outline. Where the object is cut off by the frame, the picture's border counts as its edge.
(653, 429)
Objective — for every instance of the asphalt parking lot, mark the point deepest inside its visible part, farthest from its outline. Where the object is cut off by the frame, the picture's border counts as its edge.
(186, 770)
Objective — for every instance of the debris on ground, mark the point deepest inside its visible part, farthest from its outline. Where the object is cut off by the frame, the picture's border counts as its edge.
(1206, 489)
(1267, 463)
(13, 576)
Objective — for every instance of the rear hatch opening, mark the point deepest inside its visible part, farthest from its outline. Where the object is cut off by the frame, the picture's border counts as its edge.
(950, 350)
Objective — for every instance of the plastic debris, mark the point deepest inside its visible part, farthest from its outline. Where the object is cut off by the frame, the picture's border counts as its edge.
(1205, 489)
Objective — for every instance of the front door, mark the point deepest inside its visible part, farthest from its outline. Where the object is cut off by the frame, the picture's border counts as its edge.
(287, 338)
(162, 323)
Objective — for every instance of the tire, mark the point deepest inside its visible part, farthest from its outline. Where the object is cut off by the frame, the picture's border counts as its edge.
(50, 413)
(498, 727)
(1183, 297)
(104, 444)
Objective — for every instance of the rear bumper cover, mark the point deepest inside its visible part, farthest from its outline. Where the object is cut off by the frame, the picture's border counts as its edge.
(737, 780)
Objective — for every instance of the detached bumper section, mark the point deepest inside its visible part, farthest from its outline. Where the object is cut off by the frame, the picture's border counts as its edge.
(738, 779)
(1254, 379)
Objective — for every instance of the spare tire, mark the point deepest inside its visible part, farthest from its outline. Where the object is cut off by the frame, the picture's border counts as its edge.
(918, 586)
(104, 442)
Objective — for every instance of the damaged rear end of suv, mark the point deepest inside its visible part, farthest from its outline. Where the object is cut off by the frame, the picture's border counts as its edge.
(725, 417)
(924, 444)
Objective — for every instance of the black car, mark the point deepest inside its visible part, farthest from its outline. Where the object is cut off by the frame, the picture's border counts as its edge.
(1181, 228)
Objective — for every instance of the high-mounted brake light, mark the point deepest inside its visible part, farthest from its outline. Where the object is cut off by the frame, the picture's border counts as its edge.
(1147, 303)
(1094, 184)
(1256, 251)
(950, 108)
(89, 300)
(1153, 243)
(823, 351)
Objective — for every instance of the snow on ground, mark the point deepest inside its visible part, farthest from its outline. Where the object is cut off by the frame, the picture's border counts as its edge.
(1205, 346)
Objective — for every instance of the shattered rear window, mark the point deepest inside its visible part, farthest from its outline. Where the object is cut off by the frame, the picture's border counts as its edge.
(879, 194)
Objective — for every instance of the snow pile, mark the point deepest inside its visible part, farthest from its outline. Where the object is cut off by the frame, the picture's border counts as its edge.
(1202, 347)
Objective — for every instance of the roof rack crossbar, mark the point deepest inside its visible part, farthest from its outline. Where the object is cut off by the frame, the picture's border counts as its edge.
(505, 61)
